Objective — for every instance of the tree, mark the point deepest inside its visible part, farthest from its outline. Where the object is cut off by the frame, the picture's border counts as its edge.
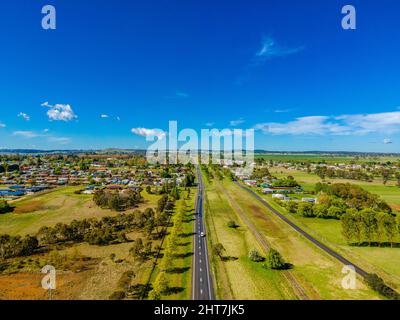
(275, 260)
(255, 256)
(137, 248)
(370, 224)
(305, 209)
(5, 207)
(148, 190)
(218, 250)
(161, 284)
(387, 223)
(189, 180)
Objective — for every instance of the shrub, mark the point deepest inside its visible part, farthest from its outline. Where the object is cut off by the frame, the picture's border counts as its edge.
(4, 207)
(376, 283)
(255, 256)
(232, 224)
(275, 260)
(117, 295)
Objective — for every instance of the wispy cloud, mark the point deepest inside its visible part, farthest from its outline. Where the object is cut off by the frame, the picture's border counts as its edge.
(26, 134)
(2, 125)
(387, 141)
(24, 116)
(237, 122)
(270, 49)
(181, 94)
(104, 116)
(60, 140)
(358, 124)
(60, 112)
(282, 110)
(210, 124)
(144, 132)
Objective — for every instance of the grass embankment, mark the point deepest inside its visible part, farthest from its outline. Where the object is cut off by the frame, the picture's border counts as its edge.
(318, 274)
(178, 274)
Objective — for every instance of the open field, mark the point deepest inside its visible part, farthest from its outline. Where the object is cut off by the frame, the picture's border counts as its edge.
(326, 158)
(96, 276)
(319, 274)
(60, 205)
(383, 261)
(237, 277)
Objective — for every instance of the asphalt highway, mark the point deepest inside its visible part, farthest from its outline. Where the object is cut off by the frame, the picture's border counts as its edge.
(202, 287)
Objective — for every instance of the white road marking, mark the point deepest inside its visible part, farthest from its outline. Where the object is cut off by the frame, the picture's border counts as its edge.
(201, 279)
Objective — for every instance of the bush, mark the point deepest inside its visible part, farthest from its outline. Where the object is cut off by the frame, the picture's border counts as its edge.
(376, 283)
(255, 256)
(4, 207)
(275, 260)
(117, 295)
(232, 224)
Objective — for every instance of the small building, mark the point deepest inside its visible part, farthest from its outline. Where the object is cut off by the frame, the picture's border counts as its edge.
(267, 191)
(310, 200)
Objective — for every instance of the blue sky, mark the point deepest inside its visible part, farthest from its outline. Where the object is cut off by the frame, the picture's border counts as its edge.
(113, 71)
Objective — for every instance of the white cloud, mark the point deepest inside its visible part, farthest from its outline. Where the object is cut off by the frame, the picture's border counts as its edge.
(269, 48)
(387, 141)
(46, 130)
(104, 116)
(118, 118)
(359, 124)
(210, 124)
(24, 116)
(237, 122)
(385, 122)
(144, 132)
(2, 125)
(26, 134)
(60, 112)
(60, 140)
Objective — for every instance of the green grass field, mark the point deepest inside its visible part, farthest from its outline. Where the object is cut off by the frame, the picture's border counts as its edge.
(238, 277)
(326, 158)
(319, 274)
(383, 261)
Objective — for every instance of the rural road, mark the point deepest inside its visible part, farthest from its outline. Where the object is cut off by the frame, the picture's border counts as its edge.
(332, 253)
(202, 287)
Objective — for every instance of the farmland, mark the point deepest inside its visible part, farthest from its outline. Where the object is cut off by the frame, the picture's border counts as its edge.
(382, 261)
(317, 274)
(61, 205)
